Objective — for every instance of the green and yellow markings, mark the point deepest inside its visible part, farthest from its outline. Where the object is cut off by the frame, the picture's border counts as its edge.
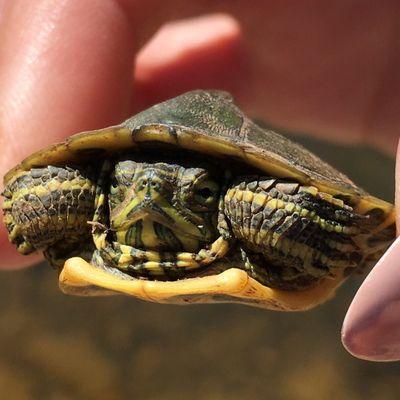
(158, 263)
(262, 199)
(149, 237)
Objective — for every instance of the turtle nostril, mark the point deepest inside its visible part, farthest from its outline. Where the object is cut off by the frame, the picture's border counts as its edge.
(142, 184)
(149, 183)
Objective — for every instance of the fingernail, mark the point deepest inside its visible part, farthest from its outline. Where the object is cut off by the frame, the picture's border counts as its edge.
(371, 329)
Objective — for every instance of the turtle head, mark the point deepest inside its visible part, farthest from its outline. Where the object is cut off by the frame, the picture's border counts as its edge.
(163, 206)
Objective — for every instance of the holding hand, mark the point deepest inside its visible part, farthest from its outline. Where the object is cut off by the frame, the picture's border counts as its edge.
(68, 67)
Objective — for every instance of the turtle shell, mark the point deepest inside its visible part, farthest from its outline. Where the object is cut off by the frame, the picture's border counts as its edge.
(208, 122)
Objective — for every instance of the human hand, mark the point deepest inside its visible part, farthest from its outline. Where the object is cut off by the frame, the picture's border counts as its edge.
(330, 70)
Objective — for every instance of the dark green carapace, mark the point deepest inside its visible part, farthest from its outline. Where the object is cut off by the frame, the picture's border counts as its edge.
(191, 187)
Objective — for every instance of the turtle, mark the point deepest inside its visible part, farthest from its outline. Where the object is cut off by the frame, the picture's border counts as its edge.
(190, 201)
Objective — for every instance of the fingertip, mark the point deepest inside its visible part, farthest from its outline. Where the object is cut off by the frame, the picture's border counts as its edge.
(174, 39)
(200, 52)
(371, 328)
(397, 189)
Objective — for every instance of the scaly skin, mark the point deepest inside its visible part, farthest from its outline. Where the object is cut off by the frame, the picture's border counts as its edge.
(49, 207)
(165, 220)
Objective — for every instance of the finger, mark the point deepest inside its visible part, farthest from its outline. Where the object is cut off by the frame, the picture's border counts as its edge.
(202, 52)
(69, 69)
(371, 329)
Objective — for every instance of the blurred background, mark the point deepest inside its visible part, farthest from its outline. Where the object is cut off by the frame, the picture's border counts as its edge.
(54, 346)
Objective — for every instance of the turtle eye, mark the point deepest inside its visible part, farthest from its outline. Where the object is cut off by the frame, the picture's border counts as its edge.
(206, 193)
(115, 192)
(114, 186)
(114, 182)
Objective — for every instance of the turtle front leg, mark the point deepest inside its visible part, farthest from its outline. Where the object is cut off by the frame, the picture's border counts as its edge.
(291, 236)
(165, 265)
(47, 209)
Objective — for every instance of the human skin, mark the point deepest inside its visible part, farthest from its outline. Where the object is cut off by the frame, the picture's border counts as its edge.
(326, 68)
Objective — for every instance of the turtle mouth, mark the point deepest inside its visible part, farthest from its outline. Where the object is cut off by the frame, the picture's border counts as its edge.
(152, 226)
(147, 210)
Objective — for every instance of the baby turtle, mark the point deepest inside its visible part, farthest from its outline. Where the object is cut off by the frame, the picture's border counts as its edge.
(192, 202)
